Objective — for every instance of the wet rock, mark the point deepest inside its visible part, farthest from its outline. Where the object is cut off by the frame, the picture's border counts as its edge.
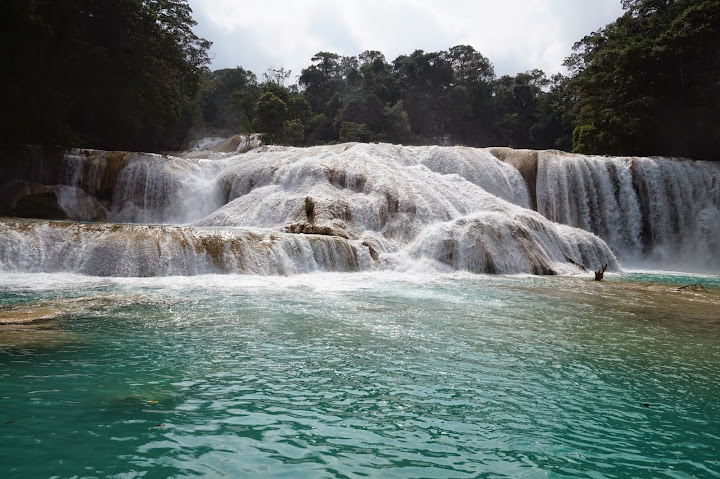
(526, 162)
(306, 228)
(238, 144)
(40, 205)
(373, 252)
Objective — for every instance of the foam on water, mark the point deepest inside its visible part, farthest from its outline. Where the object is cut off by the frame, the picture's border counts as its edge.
(376, 374)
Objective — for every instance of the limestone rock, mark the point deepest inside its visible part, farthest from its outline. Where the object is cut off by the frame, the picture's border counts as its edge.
(304, 227)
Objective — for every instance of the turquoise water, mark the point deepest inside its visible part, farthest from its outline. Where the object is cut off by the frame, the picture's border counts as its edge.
(362, 375)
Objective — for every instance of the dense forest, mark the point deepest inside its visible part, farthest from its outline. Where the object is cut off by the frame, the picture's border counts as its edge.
(123, 74)
(131, 74)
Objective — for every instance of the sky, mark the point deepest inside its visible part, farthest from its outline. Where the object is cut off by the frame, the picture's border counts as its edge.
(516, 35)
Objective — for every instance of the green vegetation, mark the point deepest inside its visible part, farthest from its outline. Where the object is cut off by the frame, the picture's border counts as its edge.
(309, 208)
(120, 74)
(130, 74)
(647, 84)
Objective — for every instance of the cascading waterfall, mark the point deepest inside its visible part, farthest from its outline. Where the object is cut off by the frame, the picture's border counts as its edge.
(406, 202)
(145, 188)
(374, 206)
(144, 250)
(652, 212)
(501, 244)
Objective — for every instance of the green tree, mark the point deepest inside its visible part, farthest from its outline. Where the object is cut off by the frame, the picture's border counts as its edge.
(425, 80)
(516, 105)
(647, 83)
(243, 102)
(227, 100)
(377, 77)
(351, 131)
(320, 130)
(119, 74)
(554, 116)
(470, 105)
(323, 83)
(270, 116)
(293, 132)
(281, 113)
(396, 125)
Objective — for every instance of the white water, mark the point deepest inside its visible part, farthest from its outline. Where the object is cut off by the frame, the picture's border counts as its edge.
(149, 188)
(653, 212)
(419, 208)
(140, 250)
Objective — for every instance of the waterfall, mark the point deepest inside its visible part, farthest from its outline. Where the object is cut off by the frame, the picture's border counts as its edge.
(501, 244)
(373, 207)
(652, 212)
(145, 188)
(143, 250)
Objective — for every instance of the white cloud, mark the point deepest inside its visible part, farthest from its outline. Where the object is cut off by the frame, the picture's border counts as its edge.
(516, 35)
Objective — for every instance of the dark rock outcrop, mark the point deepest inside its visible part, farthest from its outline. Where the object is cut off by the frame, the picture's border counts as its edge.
(40, 205)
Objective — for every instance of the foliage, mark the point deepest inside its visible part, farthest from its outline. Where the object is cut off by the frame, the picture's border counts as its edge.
(516, 101)
(113, 75)
(227, 101)
(449, 97)
(351, 131)
(270, 114)
(129, 74)
(647, 83)
(425, 80)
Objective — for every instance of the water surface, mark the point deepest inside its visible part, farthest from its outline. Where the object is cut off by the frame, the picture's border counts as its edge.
(360, 375)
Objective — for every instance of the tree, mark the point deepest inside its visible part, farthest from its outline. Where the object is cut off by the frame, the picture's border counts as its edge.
(554, 116)
(377, 76)
(470, 106)
(396, 125)
(320, 130)
(227, 101)
(647, 83)
(322, 82)
(516, 103)
(351, 131)
(281, 113)
(270, 116)
(243, 102)
(119, 74)
(425, 80)
(277, 75)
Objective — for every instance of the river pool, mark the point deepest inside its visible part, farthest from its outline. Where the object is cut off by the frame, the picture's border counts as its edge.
(360, 375)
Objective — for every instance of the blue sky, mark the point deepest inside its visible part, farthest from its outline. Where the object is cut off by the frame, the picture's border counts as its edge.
(516, 35)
